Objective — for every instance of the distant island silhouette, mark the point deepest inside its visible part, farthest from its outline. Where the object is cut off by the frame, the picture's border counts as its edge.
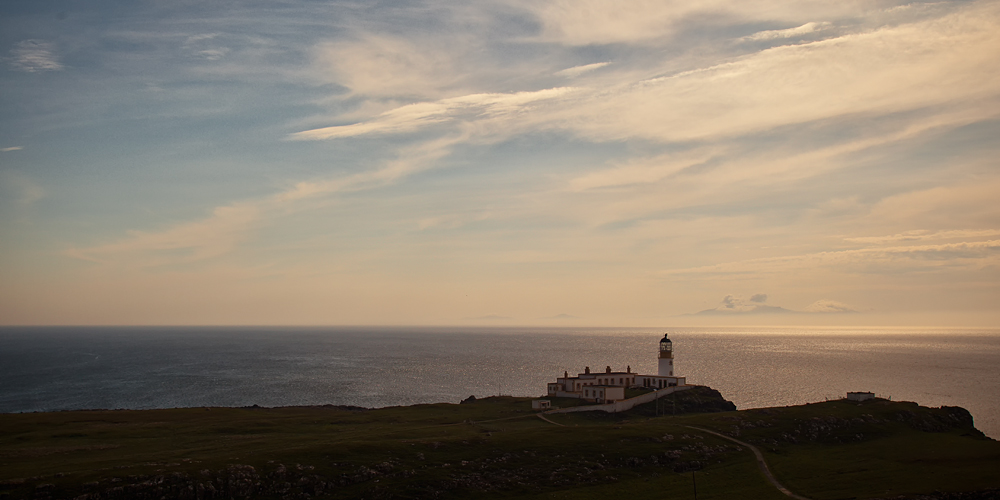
(734, 305)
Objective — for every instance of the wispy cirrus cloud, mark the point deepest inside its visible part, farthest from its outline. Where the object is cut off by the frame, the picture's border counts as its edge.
(762, 91)
(872, 260)
(228, 226)
(409, 160)
(706, 134)
(579, 70)
(894, 69)
(416, 116)
(806, 28)
(965, 203)
(187, 242)
(731, 174)
(640, 171)
(205, 46)
(35, 56)
(765, 90)
(925, 235)
(379, 65)
(587, 22)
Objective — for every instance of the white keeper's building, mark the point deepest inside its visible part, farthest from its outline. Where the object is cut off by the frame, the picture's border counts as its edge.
(610, 386)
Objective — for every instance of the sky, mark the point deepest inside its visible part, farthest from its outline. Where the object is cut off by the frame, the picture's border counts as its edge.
(504, 162)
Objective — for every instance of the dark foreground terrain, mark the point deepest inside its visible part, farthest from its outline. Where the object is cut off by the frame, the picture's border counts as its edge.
(498, 447)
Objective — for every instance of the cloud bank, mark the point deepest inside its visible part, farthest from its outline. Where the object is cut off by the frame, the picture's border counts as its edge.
(364, 163)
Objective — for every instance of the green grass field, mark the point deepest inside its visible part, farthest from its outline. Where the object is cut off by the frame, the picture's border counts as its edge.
(494, 447)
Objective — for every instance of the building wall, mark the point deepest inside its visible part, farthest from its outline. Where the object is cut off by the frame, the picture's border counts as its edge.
(620, 379)
(666, 367)
(614, 393)
(656, 381)
(626, 404)
(585, 382)
(593, 393)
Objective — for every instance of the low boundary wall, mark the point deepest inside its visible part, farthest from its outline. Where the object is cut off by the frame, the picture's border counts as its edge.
(625, 404)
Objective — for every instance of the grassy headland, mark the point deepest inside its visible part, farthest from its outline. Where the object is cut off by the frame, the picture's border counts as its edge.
(496, 447)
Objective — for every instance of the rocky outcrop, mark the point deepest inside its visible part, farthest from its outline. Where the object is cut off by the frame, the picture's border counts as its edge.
(832, 429)
(937, 420)
(699, 399)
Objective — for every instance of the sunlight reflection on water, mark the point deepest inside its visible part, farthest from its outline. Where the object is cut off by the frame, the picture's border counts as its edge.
(72, 368)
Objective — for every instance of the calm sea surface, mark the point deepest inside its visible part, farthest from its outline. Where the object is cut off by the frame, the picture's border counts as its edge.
(44, 369)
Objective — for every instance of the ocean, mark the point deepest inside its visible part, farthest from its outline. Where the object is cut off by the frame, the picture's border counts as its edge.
(66, 368)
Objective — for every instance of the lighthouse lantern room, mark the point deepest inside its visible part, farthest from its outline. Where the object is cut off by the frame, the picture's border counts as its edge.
(666, 368)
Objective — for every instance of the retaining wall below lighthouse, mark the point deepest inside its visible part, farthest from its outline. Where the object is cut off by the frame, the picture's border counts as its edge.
(626, 404)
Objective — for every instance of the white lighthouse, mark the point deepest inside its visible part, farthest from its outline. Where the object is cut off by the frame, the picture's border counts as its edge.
(610, 385)
(666, 368)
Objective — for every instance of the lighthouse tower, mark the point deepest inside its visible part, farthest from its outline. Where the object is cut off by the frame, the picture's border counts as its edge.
(666, 368)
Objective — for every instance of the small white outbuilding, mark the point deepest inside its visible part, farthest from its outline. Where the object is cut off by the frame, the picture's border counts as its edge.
(860, 396)
(541, 404)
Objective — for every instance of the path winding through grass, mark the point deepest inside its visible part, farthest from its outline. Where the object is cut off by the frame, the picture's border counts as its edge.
(760, 461)
(549, 421)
